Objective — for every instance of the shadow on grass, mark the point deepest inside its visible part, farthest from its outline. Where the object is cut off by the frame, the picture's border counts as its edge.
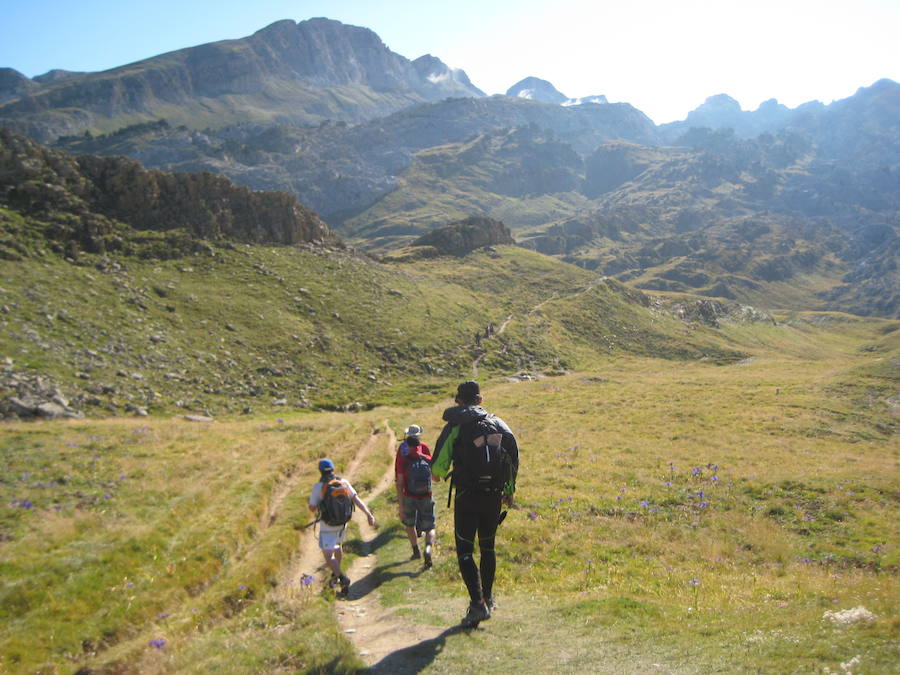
(380, 574)
(415, 658)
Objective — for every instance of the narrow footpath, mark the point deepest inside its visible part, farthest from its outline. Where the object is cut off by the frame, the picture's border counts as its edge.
(376, 632)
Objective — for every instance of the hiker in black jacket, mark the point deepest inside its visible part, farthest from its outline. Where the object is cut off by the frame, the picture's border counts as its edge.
(483, 455)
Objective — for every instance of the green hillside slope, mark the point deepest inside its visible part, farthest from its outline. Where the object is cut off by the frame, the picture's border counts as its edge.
(238, 326)
(673, 516)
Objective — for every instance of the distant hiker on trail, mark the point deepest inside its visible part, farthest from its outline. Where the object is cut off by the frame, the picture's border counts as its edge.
(412, 471)
(484, 457)
(333, 500)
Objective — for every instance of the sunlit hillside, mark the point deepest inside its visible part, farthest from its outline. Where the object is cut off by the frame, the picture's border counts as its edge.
(679, 516)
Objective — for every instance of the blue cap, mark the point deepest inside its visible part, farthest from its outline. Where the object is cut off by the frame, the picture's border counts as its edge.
(326, 466)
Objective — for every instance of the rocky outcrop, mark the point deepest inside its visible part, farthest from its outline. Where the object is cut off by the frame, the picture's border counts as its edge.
(464, 236)
(25, 395)
(91, 191)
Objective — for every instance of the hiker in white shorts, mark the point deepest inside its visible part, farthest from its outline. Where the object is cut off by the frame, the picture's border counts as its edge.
(325, 502)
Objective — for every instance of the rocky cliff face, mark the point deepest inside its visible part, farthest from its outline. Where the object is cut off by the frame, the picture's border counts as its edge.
(298, 72)
(81, 199)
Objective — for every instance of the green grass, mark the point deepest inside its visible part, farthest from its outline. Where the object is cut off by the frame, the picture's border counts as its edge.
(699, 515)
(233, 329)
(691, 495)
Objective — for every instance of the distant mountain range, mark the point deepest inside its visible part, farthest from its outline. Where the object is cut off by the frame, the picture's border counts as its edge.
(777, 206)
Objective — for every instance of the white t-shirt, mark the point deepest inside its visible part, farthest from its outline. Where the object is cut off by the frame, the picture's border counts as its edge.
(316, 496)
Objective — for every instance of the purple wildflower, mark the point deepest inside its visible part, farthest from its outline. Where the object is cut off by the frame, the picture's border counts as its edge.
(696, 471)
(280, 421)
(878, 549)
(307, 579)
(159, 643)
(700, 494)
(532, 515)
(645, 503)
(668, 483)
(703, 504)
(714, 479)
(164, 615)
(694, 582)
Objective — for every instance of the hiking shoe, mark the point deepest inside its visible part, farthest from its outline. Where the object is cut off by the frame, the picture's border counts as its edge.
(345, 585)
(477, 613)
(428, 562)
(416, 554)
(489, 601)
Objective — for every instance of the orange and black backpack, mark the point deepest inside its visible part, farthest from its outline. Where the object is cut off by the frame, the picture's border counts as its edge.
(336, 506)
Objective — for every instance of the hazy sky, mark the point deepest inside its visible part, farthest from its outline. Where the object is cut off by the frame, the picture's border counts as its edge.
(665, 57)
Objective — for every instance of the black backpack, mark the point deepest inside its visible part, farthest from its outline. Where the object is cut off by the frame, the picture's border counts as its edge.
(336, 506)
(480, 463)
(418, 477)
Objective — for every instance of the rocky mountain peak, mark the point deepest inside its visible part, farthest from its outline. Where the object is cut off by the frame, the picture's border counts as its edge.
(431, 69)
(536, 89)
(716, 112)
(283, 71)
(13, 84)
(56, 75)
(720, 104)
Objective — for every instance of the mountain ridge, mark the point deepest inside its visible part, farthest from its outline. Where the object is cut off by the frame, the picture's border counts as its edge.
(284, 71)
(741, 207)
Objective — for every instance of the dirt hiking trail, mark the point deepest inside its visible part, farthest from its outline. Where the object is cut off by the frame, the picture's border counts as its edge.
(376, 632)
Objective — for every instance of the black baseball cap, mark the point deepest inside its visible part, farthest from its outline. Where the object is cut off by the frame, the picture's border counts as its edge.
(468, 391)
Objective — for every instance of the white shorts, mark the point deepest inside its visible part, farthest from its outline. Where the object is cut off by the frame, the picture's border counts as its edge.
(331, 540)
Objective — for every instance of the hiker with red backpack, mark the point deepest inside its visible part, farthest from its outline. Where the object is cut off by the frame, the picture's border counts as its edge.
(412, 471)
(333, 499)
(481, 455)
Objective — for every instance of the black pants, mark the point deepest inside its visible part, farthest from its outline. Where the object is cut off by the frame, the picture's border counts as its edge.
(476, 514)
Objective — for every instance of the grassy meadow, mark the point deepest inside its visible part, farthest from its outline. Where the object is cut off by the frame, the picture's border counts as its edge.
(690, 515)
